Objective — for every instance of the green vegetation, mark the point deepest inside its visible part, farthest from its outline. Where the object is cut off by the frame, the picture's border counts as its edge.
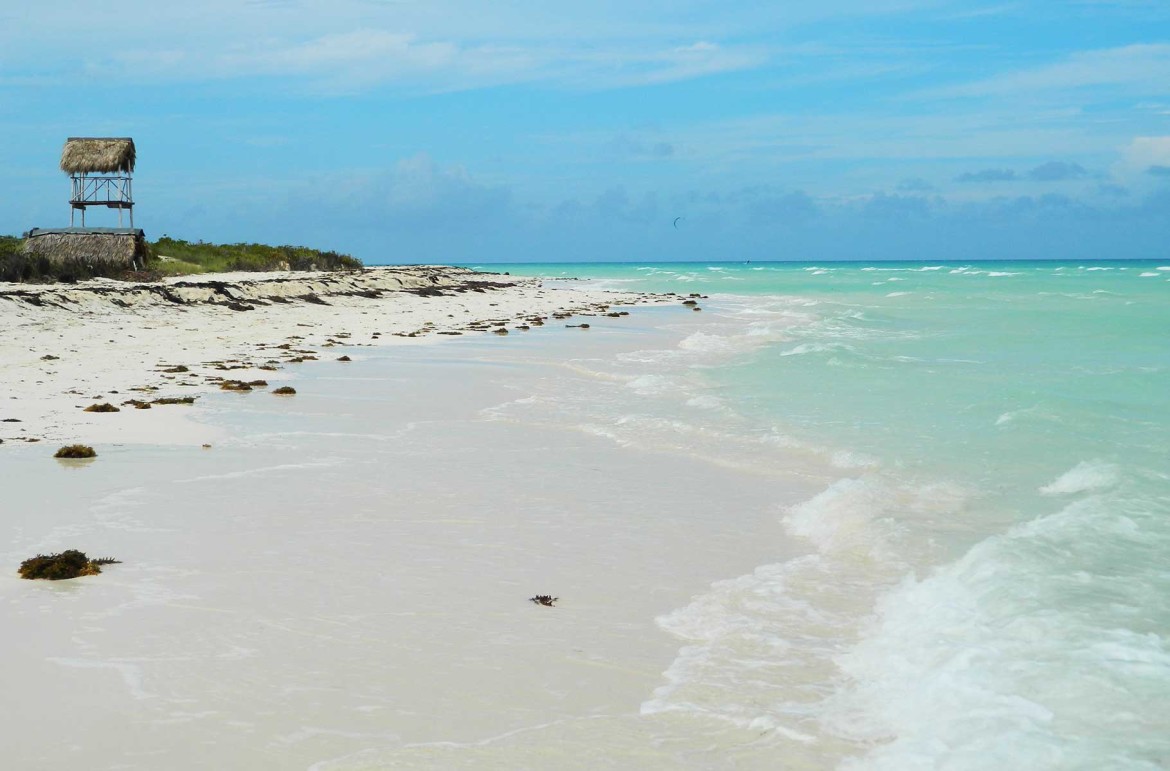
(68, 564)
(168, 257)
(75, 451)
(175, 256)
(9, 245)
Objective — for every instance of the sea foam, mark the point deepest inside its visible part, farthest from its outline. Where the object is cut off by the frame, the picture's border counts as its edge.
(1089, 476)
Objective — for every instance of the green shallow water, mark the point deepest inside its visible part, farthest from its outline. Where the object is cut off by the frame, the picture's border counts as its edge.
(1009, 364)
(1003, 514)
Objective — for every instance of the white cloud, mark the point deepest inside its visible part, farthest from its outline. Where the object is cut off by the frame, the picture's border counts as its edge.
(433, 44)
(1139, 156)
(359, 59)
(1141, 68)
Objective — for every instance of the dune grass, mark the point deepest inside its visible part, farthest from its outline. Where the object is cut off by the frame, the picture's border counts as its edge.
(183, 257)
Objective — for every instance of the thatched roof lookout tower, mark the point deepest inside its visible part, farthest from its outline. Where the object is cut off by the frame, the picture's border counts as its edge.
(100, 170)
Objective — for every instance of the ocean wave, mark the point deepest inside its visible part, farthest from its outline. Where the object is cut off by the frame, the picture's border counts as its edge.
(651, 385)
(760, 650)
(1089, 476)
(1036, 649)
(805, 348)
(706, 402)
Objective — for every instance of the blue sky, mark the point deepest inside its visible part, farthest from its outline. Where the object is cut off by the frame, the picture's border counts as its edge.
(458, 131)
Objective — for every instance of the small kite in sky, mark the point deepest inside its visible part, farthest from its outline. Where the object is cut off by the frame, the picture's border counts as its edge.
(676, 219)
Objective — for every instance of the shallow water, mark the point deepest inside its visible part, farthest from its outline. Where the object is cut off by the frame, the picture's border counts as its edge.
(989, 584)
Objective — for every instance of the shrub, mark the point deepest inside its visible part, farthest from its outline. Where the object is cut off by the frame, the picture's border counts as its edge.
(200, 257)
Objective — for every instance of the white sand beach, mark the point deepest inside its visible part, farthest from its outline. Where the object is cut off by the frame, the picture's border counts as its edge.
(103, 341)
(342, 579)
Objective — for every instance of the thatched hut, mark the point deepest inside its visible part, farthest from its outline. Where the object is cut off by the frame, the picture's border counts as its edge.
(98, 155)
(111, 159)
(99, 251)
(100, 170)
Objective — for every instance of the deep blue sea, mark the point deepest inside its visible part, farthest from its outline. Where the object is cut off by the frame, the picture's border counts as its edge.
(989, 576)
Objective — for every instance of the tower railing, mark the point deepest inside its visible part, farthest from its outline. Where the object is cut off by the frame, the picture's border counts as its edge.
(114, 192)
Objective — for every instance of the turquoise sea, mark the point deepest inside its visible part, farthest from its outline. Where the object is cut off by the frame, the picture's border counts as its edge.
(989, 583)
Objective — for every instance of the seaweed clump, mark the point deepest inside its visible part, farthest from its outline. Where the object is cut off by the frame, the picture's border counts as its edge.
(68, 564)
(285, 391)
(546, 600)
(76, 451)
(104, 407)
(241, 385)
(173, 400)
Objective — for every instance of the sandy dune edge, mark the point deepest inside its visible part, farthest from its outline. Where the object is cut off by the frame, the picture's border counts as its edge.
(66, 347)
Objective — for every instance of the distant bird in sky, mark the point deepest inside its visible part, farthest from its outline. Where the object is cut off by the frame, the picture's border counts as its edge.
(676, 219)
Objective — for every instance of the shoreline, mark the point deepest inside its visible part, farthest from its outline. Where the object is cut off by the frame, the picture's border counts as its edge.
(102, 341)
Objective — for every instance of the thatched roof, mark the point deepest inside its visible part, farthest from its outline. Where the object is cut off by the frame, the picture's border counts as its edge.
(97, 154)
(116, 247)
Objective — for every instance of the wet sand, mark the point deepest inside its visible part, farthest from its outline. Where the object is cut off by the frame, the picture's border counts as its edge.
(342, 580)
